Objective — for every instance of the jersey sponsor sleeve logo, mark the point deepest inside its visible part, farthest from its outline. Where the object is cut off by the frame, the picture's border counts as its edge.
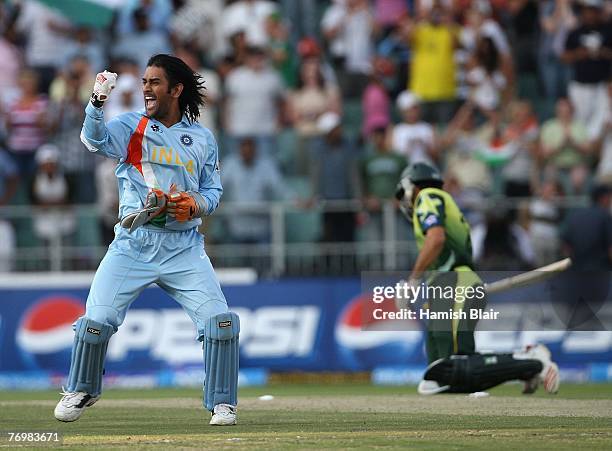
(217, 166)
(225, 324)
(91, 330)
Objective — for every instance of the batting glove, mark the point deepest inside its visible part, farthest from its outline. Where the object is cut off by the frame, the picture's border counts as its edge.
(105, 82)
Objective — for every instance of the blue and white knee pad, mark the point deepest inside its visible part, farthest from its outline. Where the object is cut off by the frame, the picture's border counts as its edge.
(88, 353)
(220, 339)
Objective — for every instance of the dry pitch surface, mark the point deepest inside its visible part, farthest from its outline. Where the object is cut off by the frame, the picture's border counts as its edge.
(333, 416)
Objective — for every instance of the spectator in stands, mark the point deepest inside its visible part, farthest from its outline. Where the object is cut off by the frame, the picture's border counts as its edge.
(379, 172)
(302, 16)
(9, 179)
(27, 124)
(254, 100)
(586, 237)
(589, 51)
(523, 28)
(77, 74)
(519, 172)
(395, 48)
(107, 199)
(485, 78)
(53, 219)
(603, 144)
(590, 251)
(46, 33)
(279, 46)
(349, 27)
(479, 23)
(87, 46)
(197, 24)
(507, 246)
(564, 143)
(336, 178)
(157, 12)
(432, 73)
(422, 8)
(375, 102)
(460, 144)
(249, 179)
(250, 17)
(144, 41)
(312, 98)
(10, 66)
(309, 49)
(556, 20)
(544, 217)
(236, 55)
(388, 13)
(412, 138)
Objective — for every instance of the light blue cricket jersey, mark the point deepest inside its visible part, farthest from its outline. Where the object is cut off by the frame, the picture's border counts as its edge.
(152, 155)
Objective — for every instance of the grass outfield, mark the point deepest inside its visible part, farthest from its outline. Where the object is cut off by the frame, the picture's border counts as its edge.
(332, 416)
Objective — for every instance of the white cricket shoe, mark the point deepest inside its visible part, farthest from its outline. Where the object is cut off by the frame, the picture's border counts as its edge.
(72, 405)
(223, 415)
(549, 376)
(431, 388)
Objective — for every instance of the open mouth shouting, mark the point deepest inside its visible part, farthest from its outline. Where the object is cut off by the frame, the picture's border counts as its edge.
(150, 103)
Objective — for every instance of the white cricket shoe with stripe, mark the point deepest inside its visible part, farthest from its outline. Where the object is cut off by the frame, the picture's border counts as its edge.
(72, 405)
(223, 415)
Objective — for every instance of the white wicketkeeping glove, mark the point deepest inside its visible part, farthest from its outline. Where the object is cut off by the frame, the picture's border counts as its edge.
(105, 82)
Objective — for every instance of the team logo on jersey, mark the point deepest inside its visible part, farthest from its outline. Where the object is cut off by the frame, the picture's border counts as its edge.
(431, 220)
(155, 127)
(217, 167)
(186, 140)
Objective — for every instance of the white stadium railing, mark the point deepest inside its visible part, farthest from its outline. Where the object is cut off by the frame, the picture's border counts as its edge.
(294, 244)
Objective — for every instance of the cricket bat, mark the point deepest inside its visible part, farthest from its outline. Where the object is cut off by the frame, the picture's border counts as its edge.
(529, 277)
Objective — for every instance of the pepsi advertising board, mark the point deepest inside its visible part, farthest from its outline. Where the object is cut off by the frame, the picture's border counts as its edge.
(287, 325)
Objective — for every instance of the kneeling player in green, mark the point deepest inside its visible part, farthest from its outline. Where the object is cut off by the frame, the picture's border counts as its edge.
(443, 238)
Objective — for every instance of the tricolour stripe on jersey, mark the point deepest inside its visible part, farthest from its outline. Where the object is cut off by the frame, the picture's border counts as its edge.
(135, 145)
(147, 169)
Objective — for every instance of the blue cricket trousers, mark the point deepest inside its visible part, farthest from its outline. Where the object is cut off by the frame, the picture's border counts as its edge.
(176, 261)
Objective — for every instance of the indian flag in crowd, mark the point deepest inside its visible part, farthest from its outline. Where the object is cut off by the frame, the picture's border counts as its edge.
(95, 13)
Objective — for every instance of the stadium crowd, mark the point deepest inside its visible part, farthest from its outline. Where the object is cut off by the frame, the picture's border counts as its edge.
(320, 101)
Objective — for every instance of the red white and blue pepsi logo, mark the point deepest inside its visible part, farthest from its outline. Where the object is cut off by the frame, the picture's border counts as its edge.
(186, 140)
(46, 328)
(364, 342)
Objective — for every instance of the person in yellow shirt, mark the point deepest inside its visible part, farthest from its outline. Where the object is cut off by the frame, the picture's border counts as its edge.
(432, 70)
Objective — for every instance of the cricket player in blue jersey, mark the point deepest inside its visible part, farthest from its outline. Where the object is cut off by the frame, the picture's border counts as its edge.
(168, 175)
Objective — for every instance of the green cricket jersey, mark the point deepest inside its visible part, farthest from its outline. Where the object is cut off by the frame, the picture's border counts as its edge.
(435, 207)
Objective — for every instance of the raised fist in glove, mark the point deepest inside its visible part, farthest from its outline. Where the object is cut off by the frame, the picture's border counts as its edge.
(105, 82)
(182, 206)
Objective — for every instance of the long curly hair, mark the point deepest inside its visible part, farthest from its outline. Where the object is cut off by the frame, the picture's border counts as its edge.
(177, 71)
